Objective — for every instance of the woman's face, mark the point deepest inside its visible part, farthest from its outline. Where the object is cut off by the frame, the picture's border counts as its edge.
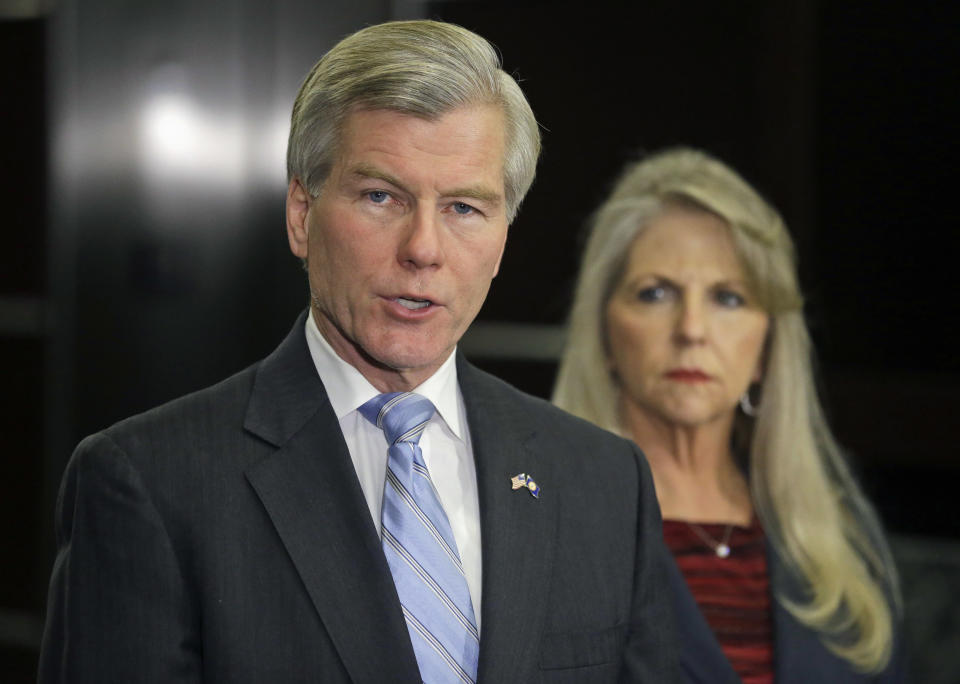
(685, 334)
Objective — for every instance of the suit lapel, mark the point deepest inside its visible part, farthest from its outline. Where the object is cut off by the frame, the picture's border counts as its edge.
(517, 530)
(785, 652)
(311, 493)
(799, 654)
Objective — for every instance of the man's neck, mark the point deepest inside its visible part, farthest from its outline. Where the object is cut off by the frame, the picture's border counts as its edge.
(382, 377)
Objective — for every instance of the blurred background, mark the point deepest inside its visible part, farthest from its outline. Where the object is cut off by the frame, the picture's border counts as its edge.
(143, 253)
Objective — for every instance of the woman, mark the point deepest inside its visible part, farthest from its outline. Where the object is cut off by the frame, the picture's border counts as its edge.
(687, 335)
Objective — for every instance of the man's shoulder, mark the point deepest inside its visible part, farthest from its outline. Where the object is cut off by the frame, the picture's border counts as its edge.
(222, 404)
(221, 408)
(195, 438)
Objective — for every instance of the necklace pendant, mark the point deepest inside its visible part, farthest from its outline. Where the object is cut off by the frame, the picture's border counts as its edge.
(722, 550)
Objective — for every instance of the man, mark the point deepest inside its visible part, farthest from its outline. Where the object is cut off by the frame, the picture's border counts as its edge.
(253, 532)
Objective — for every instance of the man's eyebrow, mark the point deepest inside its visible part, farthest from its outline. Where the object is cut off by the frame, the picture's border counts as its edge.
(369, 171)
(481, 193)
(477, 192)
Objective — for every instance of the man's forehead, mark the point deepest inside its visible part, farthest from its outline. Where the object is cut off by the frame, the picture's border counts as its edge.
(359, 114)
(464, 147)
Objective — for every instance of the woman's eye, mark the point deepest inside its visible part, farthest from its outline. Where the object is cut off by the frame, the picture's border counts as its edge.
(462, 208)
(378, 196)
(729, 299)
(652, 294)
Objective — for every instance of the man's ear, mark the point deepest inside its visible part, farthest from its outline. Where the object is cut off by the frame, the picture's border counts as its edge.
(298, 205)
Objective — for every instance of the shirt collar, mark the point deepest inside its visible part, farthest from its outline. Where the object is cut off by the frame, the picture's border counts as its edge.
(347, 389)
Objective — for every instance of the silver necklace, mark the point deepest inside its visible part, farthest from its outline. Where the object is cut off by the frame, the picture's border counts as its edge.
(722, 547)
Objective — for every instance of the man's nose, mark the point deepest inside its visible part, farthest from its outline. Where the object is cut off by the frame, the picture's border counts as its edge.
(421, 243)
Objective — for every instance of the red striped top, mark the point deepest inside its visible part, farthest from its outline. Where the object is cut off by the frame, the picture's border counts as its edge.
(732, 592)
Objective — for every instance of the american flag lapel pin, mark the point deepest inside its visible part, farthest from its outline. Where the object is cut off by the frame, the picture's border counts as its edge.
(524, 481)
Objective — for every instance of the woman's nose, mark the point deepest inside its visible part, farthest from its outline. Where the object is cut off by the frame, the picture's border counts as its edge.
(691, 322)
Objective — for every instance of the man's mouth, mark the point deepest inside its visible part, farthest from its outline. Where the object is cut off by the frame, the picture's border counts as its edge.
(413, 304)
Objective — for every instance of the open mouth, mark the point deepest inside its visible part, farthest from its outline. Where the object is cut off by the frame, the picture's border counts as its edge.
(413, 304)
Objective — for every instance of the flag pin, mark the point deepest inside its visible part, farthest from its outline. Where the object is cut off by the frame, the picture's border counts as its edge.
(522, 481)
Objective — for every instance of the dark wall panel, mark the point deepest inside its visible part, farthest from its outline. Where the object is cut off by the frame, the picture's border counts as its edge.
(23, 233)
(171, 120)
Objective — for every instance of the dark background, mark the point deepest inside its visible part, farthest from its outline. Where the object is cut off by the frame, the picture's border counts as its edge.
(143, 254)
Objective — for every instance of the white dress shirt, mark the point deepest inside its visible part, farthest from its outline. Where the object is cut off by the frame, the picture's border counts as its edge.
(445, 443)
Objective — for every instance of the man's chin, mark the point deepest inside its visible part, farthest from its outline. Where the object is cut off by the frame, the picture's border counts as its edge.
(411, 362)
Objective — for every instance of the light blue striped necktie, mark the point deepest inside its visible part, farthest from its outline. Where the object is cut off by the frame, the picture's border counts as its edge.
(420, 548)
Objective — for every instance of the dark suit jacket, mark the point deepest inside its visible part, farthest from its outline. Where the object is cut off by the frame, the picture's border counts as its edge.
(800, 657)
(224, 537)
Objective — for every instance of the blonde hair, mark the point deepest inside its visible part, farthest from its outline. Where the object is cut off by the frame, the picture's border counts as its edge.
(804, 495)
(420, 68)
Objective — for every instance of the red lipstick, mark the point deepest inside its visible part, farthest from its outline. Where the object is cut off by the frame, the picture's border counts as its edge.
(687, 375)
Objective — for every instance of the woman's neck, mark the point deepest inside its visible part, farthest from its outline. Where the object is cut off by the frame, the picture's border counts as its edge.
(694, 471)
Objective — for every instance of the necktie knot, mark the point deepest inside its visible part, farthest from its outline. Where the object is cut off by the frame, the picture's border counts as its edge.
(401, 415)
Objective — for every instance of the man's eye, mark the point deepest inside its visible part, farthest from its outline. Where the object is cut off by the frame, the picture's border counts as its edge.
(729, 299)
(463, 208)
(378, 196)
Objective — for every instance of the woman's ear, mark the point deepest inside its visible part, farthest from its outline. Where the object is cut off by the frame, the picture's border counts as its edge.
(298, 207)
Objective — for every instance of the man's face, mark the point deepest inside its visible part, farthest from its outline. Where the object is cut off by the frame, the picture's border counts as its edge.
(404, 238)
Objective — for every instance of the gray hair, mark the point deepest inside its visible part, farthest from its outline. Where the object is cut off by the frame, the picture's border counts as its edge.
(421, 68)
(802, 490)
